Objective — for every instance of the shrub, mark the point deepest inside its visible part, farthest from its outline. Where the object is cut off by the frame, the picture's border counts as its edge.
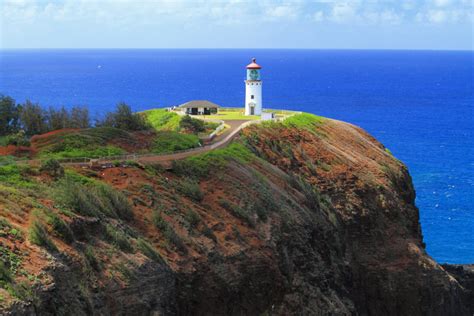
(192, 125)
(78, 198)
(313, 197)
(96, 200)
(115, 201)
(53, 168)
(127, 274)
(237, 211)
(118, 238)
(60, 227)
(158, 221)
(18, 139)
(5, 274)
(168, 232)
(39, 236)
(91, 258)
(148, 250)
(192, 218)
(168, 142)
(190, 189)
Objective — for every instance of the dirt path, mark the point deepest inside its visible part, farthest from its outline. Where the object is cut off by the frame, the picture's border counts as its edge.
(220, 141)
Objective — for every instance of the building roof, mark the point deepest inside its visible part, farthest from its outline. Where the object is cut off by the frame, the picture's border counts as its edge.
(253, 64)
(199, 104)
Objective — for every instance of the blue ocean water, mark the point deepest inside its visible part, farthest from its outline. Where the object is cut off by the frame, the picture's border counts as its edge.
(418, 103)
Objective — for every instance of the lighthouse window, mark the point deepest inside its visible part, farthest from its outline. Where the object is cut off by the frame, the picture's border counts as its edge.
(252, 97)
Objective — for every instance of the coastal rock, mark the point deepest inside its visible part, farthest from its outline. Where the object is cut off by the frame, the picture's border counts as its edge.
(302, 219)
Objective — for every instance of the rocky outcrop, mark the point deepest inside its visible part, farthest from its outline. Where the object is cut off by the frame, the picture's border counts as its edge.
(315, 218)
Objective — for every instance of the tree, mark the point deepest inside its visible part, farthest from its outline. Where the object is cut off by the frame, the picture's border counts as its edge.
(8, 115)
(33, 118)
(58, 119)
(124, 118)
(79, 117)
(53, 168)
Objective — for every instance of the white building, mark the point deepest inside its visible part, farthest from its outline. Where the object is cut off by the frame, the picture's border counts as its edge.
(199, 107)
(253, 90)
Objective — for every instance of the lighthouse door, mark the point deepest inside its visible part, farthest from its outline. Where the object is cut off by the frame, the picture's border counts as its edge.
(252, 110)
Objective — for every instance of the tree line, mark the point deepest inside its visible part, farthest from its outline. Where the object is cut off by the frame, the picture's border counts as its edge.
(31, 119)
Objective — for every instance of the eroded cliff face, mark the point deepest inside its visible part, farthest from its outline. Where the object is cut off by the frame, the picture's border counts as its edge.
(308, 217)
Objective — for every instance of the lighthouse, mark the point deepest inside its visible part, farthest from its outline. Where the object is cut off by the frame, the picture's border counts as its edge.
(253, 89)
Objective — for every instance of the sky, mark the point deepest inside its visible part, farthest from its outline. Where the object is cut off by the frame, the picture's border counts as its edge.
(324, 24)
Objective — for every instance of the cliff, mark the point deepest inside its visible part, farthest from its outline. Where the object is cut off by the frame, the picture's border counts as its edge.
(306, 217)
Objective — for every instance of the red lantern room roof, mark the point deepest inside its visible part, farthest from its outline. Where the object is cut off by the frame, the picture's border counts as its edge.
(254, 64)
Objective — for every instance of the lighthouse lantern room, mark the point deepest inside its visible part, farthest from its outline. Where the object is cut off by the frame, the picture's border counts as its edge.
(253, 89)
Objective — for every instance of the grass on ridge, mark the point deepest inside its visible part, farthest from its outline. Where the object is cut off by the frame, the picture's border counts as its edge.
(303, 120)
(201, 165)
(162, 120)
(91, 143)
(231, 114)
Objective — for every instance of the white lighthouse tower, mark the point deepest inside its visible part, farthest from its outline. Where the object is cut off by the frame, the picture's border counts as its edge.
(253, 89)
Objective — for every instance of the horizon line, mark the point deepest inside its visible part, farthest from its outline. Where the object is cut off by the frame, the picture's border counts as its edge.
(229, 48)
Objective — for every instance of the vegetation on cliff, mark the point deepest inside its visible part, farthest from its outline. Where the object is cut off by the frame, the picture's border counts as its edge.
(29, 130)
(305, 216)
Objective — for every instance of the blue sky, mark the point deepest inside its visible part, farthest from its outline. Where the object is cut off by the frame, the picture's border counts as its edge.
(357, 24)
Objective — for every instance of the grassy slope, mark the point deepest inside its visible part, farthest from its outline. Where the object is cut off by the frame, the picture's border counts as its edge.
(162, 120)
(24, 190)
(91, 143)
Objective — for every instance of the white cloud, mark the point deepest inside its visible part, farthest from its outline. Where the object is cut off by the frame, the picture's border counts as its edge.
(283, 11)
(318, 16)
(343, 12)
(442, 3)
(437, 16)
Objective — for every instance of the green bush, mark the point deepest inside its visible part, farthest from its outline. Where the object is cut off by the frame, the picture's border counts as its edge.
(16, 175)
(18, 139)
(313, 197)
(190, 189)
(60, 228)
(91, 258)
(192, 218)
(168, 232)
(53, 168)
(168, 142)
(39, 236)
(78, 198)
(118, 238)
(148, 250)
(5, 274)
(115, 202)
(158, 221)
(237, 211)
(192, 125)
(97, 200)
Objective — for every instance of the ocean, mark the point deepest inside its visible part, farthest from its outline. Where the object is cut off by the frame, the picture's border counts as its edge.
(418, 103)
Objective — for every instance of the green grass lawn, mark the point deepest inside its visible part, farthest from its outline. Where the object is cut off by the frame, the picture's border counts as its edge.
(231, 114)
